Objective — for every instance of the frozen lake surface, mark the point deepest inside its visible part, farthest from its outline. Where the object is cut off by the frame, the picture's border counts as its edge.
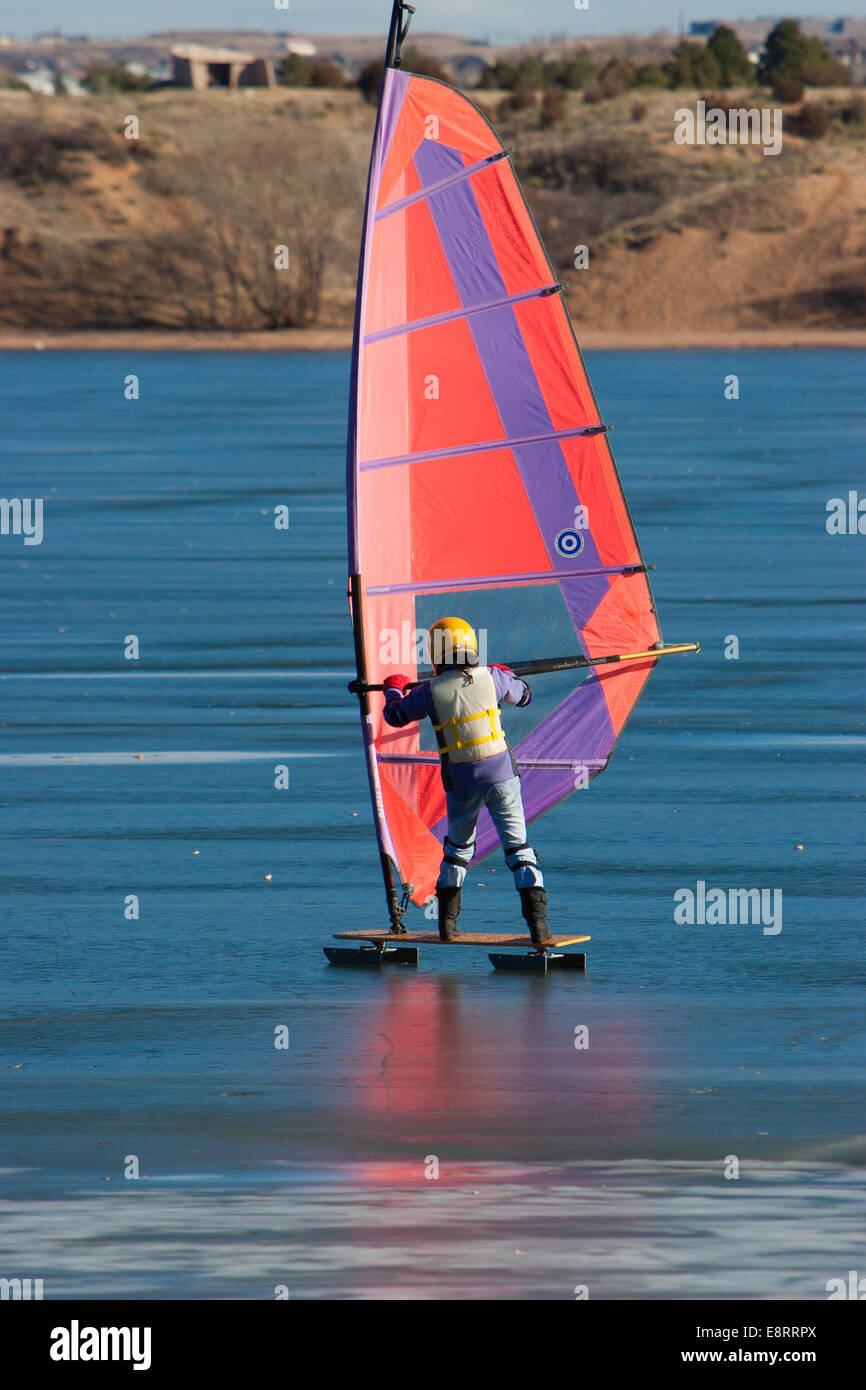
(309, 1166)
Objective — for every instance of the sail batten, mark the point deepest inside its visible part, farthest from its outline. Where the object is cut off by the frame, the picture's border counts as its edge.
(462, 335)
(585, 431)
(466, 172)
(463, 313)
(454, 586)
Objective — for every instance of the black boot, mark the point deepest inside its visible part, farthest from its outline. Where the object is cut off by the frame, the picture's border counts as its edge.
(533, 904)
(449, 908)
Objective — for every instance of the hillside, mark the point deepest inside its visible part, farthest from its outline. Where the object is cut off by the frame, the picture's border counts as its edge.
(175, 232)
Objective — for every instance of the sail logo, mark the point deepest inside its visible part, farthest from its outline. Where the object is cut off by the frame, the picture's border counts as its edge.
(736, 126)
(846, 517)
(570, 541)
(22, 516)
(736, 907)
(77, 1343)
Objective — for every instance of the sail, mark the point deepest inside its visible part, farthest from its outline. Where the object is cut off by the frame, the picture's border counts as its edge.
(480, 480)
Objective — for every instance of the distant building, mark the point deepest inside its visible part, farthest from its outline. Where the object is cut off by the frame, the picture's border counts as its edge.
(700, 28)
(468, 70)
(302, 48)
(200, 66)
(40, 80)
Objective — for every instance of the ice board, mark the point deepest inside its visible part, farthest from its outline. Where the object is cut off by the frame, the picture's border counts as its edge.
(422, 938)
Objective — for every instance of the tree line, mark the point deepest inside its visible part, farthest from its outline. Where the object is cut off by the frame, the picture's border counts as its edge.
(791, 61)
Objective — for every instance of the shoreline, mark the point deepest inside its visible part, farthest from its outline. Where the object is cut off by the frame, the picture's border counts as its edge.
(340, 340)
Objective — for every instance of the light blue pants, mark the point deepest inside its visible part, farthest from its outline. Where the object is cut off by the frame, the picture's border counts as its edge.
(505, 804)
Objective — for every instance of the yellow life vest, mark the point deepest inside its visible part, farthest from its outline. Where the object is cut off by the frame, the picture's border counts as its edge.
(467, 722)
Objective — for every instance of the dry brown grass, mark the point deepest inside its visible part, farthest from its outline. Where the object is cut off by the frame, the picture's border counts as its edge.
(177, 232)
(180, 228)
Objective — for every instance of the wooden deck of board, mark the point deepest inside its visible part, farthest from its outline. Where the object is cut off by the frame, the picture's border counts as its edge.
(423, 938)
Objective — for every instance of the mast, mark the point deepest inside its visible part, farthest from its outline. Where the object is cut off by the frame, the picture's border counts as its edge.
(401, 18)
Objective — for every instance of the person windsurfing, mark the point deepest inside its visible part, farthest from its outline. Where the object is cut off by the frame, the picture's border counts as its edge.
(478, 768)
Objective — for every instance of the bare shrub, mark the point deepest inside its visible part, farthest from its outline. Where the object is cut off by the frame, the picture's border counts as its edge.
(788, 89)
(524, 97)
(617, 77)
(553, 106)
(589, 215)
(812, 123)
(607, 164)
(414, 60)
(250, 192)
(715, 101)
(32, 154)
(325, 73)
(824, 72)
(855, 112)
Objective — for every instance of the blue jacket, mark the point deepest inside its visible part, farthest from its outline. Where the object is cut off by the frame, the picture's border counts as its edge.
(458, 777)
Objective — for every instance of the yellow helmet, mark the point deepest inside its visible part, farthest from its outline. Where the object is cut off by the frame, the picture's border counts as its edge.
(452, 642)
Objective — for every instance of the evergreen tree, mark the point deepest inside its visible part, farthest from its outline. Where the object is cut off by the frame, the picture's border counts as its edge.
(651, 75)
(692, 65)
(732, 58)
(790, 53)
(574, 72)
(784, 51)
(532, 73)
(294, 71)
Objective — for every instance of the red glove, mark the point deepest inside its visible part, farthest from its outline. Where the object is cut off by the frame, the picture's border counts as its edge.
(398, 683)
(495, 666)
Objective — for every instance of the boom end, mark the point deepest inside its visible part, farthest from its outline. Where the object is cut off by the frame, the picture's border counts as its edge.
(667, 649)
